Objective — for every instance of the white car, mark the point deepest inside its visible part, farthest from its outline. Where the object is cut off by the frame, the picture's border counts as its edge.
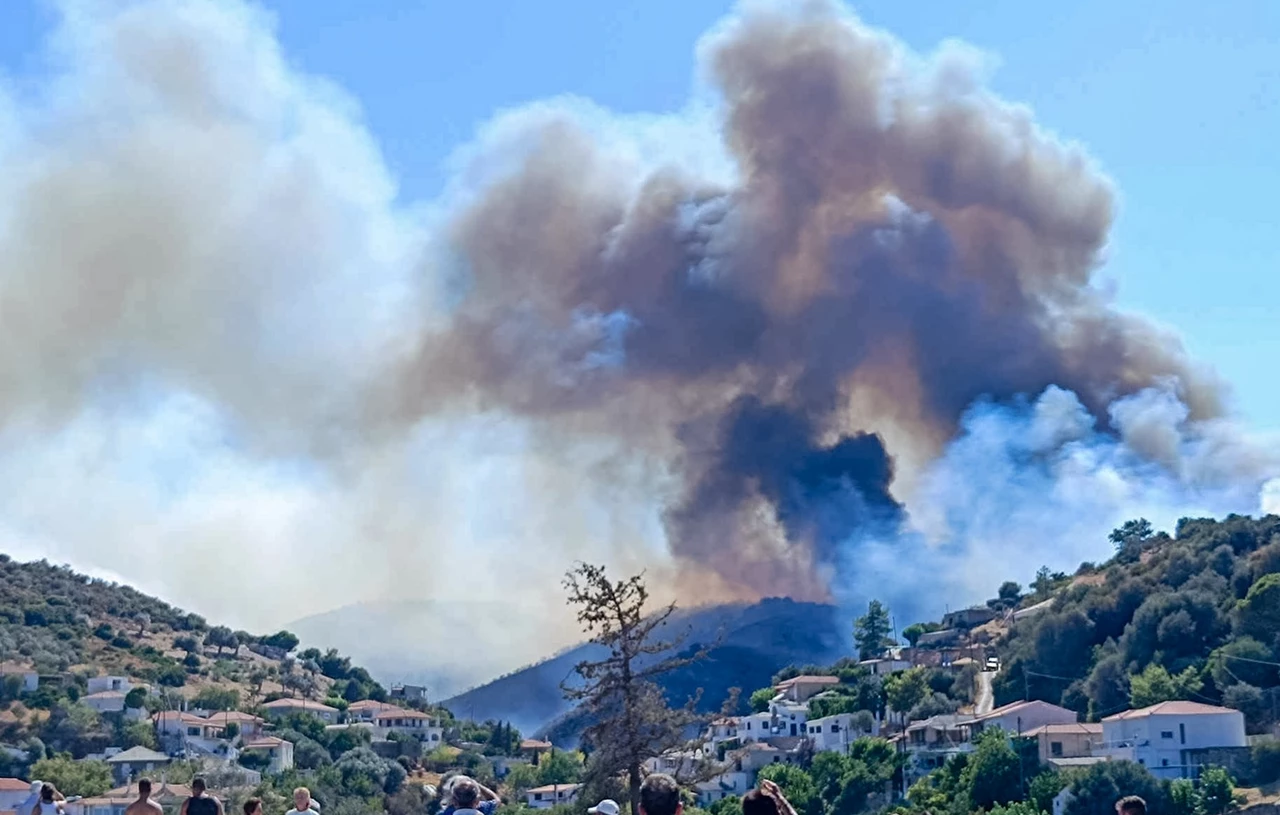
(993, 664)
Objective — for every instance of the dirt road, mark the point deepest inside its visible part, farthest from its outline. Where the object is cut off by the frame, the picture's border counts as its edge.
(984, 699)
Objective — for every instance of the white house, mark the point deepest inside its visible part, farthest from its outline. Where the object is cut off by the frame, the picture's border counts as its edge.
(789, 717)
(801, 689)
(107, 701)
(117, 684)
(756, 727)
(186, 732)
(278, 750)
(722, 730)
(13, 792)
(422, 726)
(833, 733)
(885, 666)
(283, 707)
(552, 795)
(730, 784)
(1021, 717)
(30, 678)
(1162, 736)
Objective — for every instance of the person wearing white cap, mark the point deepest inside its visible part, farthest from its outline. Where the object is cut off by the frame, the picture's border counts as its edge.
(606, 807)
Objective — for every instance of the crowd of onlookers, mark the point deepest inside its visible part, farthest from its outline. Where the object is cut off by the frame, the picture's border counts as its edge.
(459, 795)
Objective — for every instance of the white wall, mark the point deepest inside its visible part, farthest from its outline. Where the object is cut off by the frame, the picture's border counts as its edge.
(1158, 740)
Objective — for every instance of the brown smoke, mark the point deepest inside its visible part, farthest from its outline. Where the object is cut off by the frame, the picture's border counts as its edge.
(895, 233)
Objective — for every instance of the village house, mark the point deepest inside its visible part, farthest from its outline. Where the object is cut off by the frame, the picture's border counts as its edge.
(247, 725)
(884, 666)
(801, 689)
(722, 730)
(1019, 717)
(931, 742)
(534, 749)
(366, 709)
(135, 762)
(552, 795)
(25, 673)
(107, 701)
(969, 617)
(410, 694)
(115, 684)
(285, 707)
(834, 733)
(186, 733)
(756, 727)
(13, 792)
(421, 726)
(1166, 737)
(279, 751)
(734, 783)
(1066, 741)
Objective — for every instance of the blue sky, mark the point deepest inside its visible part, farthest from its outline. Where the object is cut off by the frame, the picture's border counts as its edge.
(1179, 105)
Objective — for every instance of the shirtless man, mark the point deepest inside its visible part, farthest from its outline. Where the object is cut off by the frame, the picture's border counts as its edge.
(144, 805)
(200, 802)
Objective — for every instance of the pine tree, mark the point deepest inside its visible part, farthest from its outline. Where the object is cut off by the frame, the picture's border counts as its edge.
(632, 719)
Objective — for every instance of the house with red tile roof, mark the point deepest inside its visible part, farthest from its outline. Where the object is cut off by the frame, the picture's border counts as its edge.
(1166, 738)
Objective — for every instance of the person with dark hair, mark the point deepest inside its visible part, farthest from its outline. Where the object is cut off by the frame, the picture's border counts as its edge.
(253, 806)
(1131, 805)
(201, 802)
(50, 801)
(144, 805)
(660, 795)
(768, 800)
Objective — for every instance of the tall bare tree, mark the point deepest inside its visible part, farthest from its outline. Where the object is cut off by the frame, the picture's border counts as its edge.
(632, 720)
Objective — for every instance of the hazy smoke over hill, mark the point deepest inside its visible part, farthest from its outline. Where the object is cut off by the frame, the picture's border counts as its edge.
(772, 345)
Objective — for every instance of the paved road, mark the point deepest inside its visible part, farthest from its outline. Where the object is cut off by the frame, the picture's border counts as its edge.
(984, 698)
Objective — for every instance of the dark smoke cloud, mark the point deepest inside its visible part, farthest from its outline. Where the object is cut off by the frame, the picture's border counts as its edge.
(896, 238)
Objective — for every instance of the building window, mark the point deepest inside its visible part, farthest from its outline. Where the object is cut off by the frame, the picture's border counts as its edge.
(1055, 748)
(1164, 762)
(835, 728)
(1166, 734)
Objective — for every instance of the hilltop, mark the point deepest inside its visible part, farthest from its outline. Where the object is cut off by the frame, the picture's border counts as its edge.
(54, 620)
(748, 644)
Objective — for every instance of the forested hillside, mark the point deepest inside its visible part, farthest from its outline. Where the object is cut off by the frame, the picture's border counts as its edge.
(1193, 615)
(68, 627)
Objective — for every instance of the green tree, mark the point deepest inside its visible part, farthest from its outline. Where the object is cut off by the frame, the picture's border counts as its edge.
(1017, 808)
(1155, 685)
(522, 778)
(140, 734)
(914, 632)
(1246, 660)
(906, 689)
(994, 774)
(760, 699)
(71, 777)
(1044, 787)
(871, 631)
(1258, 614)
(212, 697)
(283, 640)
(1217, 791)
(633, 721)
(1043, 583)
(1183, 798)
(1096, 788)
(1266, 762)
(1139, 530)
(796, 784)
(560, 767)
(136, 698)
(1009, 592)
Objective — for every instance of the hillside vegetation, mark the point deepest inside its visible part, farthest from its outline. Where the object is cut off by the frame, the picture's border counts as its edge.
(1194, 615)
(69, 627)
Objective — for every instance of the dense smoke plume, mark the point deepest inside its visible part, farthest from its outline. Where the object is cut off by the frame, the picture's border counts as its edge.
(769, 345)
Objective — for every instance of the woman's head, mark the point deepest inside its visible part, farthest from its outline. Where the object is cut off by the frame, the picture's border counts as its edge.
(48, 793)
(253, 806)
(757, 803)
